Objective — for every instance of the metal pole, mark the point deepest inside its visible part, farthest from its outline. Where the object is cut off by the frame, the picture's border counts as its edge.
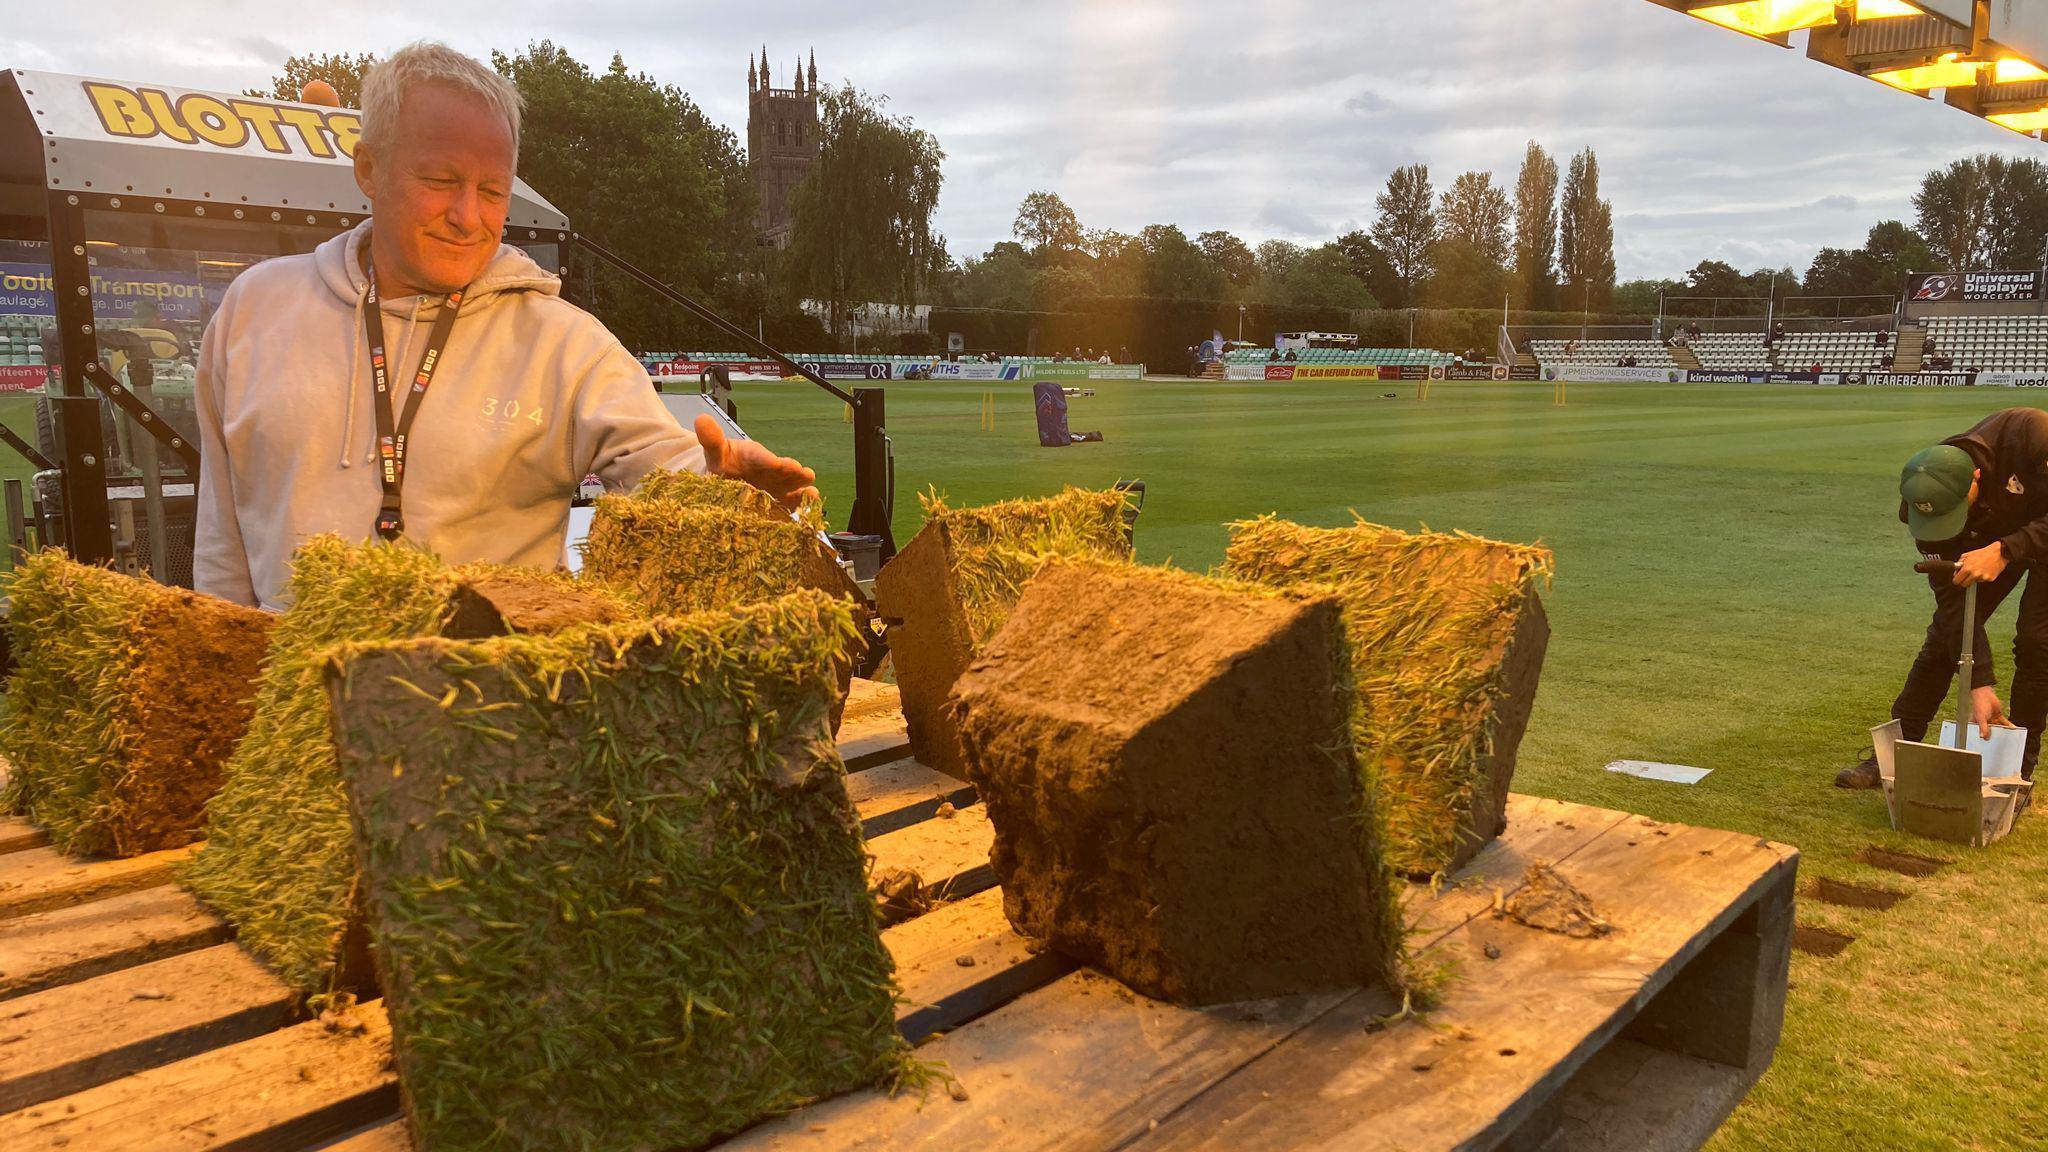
(75, 410)
(1964, 665)
(874, 471)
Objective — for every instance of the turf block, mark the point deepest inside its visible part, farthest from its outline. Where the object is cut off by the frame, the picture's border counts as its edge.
(1447, 639)
(126, 698)
(1167, 762)
(616, 885)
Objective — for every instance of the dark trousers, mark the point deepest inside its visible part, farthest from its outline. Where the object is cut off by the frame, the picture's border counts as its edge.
(1934, 670)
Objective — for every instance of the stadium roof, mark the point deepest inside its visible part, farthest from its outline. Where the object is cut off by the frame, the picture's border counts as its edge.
(1986, 57)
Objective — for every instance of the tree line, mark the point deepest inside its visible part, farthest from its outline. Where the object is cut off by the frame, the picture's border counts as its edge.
(1980, 212)
(1548, 243)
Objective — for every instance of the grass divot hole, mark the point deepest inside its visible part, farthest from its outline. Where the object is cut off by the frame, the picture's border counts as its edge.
(1820, 941)
(1904, 863)
(1845, 895)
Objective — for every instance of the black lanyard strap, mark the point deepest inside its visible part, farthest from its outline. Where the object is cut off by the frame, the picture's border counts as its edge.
(394, 431)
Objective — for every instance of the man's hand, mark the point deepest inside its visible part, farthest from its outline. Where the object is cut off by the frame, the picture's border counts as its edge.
(1977, 567)
(1985, 710)
(779, 476)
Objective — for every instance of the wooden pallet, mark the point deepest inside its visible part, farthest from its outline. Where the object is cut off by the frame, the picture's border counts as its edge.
(126, 1022)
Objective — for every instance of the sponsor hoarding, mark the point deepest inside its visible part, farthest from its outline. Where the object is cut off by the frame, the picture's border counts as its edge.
(1085, 371)
(2012, 379)
(971, 370)
(1597, 374)
(1472, 372)
(850, 369)
(1245, 372)
(23, 377)
(29, 290)
(1972, 287)
(1910, 379)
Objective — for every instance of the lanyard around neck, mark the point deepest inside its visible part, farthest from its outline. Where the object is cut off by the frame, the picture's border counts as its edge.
(394, 430)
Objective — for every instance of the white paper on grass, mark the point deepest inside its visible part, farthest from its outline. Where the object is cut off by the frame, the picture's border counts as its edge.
(2001, 753)
(1651, 770)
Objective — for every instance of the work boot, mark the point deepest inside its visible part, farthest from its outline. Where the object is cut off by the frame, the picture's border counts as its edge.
(1863, 775)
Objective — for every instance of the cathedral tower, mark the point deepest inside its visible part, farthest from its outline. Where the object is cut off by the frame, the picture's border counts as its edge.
(782, 141)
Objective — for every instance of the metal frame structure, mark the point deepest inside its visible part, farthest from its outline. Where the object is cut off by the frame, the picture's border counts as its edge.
(56, 170)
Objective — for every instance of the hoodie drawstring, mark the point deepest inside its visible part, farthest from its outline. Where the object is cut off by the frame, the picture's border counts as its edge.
(355, 361)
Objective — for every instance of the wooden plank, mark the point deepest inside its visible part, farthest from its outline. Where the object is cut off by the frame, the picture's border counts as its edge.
(278, 1092)
(17, 834)
(389, 1136)
(1514, 1030)
(1084, 1063)
(949, 855)
(72, 1038)
(893, 796)
(85, 940)
(38, 879)
(961, 961)
(872, 730)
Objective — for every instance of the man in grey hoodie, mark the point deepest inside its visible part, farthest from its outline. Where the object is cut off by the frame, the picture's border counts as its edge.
(315, 368)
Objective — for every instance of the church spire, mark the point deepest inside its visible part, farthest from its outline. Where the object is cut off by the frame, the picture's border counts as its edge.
(799, 83)
(766, 83)
(751, 85)
(814, 69)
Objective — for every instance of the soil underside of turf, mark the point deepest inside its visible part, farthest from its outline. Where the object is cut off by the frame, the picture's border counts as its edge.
(1156, 762)
(203, 656)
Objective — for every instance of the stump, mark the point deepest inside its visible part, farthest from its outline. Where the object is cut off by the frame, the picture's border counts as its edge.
(1448, 635)
(617, 888)
(126, 698)
(1167, 763)
(954, 584)
(278, 862)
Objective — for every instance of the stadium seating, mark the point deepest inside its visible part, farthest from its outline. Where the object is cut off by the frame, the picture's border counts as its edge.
(1379, 356)
(21, 340)
(1603, 353)
(1833, 351)
(1990, 343)
(1733, 351)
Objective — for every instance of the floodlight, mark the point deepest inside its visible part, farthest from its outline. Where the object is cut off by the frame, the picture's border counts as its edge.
(1769, 18)
(2028, 122)
(1954, 70)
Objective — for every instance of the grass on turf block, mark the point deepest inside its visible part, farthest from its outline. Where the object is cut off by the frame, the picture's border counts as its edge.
(616, 885)
(278, 862)
(126, 697)
(701, 491)
(1447, 638)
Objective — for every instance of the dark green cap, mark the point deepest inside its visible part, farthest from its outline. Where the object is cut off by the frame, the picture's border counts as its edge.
(1936, 488)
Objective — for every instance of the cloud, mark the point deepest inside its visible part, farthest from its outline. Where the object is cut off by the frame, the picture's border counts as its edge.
(1268, 118)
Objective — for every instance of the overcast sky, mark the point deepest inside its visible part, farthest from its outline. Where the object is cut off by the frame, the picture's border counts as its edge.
(1270, 118)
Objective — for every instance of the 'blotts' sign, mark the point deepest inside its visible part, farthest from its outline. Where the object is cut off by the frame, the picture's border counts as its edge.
(205, 119)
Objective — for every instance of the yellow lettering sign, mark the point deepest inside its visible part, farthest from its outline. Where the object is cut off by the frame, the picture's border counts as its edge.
(308, 122)
(212, 119)
(120, 110)
(159, 106)
(262, 120)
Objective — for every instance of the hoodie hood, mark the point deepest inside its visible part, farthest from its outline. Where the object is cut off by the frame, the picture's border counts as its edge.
(338, 260)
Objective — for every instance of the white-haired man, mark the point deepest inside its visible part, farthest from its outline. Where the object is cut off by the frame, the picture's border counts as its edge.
(416, 377)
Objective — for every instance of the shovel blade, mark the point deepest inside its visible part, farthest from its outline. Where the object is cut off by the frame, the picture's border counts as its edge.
(1938, 792)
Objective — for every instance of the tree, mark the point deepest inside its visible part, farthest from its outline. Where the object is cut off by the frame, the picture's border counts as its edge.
(1277, 258)
(1463, 276)
(1174, 267)
(1952, 205)
(1644, 297)
(1476, 211)
(343, 71)
(1536, 228)
(1231, 257)
(1046, 224)
(1585, 235)
(1714, 278)
(1369, 264)
(1986, 211)
(1406, 228)
(861, 218)
(642, 170)
(1323, 278)
(1006, 277)
(1119, 262)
